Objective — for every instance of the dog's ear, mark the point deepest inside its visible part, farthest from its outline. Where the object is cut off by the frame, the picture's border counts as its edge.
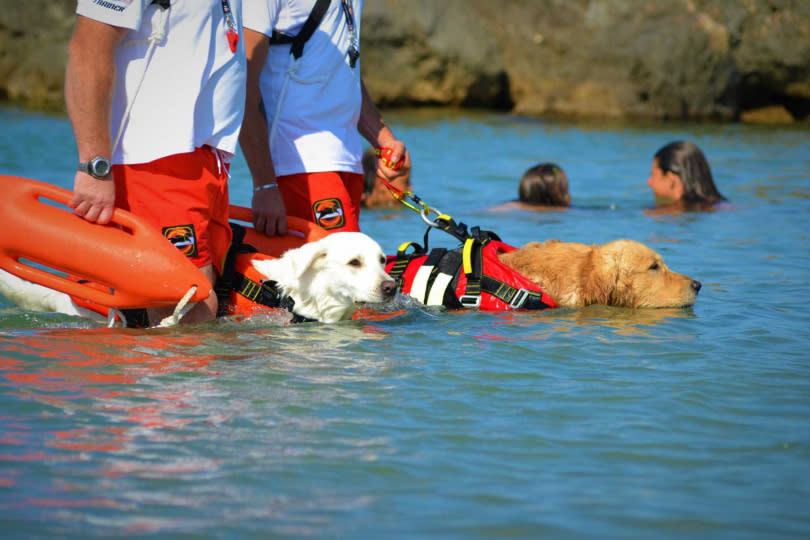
(601, 275)
(293, 264)
(306, 257)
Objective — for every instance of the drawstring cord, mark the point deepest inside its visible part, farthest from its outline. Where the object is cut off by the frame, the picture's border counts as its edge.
(157, 37)
(292, 69)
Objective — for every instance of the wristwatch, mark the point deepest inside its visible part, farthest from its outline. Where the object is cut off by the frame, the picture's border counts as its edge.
(98, 167)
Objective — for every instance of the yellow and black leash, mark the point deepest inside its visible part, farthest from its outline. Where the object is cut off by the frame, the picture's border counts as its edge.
(442, 221)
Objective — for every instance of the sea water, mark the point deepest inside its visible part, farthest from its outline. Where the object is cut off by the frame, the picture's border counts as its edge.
(568, 423)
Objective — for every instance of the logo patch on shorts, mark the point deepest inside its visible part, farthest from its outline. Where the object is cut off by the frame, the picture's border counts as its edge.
(329, 213)
(183, 238)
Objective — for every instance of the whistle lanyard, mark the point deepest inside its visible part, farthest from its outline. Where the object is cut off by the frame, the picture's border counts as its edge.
(354, 51)
(231, 34)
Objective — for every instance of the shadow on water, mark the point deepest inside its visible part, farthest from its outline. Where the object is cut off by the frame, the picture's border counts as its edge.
(606, 320)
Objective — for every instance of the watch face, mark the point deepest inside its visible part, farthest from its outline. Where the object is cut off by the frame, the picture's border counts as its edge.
(101, 167)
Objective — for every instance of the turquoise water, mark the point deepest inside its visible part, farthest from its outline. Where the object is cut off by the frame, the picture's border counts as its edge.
(591, 423)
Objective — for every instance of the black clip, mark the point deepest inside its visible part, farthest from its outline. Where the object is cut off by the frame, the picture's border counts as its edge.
(354, 54)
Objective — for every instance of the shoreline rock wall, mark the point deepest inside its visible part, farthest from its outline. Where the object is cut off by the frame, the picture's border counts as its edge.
(721, 60)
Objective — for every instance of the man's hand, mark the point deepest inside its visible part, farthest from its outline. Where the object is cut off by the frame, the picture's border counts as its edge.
(398, 161)
(269, 212)
(93, 199)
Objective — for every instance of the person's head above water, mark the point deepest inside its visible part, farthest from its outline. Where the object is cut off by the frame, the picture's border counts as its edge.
(680, 172)
(545, 184)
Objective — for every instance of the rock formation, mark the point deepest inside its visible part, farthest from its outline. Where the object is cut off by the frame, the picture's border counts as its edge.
(624, 59)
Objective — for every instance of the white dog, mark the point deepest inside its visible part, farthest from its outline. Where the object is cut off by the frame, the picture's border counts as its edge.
(327, 279)
(324, 280)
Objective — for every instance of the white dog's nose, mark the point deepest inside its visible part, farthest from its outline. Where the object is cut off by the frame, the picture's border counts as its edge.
(388, 288)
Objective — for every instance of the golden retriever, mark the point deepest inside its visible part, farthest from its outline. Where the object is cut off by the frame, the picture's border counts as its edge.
(325, 279)
(621, 273)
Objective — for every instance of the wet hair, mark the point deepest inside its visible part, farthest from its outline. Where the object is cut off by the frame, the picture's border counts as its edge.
(685, 159)
(369, 162)
(545, 184)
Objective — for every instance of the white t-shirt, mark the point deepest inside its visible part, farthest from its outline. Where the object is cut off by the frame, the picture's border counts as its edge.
(316, 123)
(192, 93)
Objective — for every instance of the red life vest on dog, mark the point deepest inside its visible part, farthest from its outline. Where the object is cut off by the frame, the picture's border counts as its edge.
(471, 276)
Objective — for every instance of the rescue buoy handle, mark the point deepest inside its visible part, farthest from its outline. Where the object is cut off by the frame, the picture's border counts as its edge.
(295, 226)
(62, 196)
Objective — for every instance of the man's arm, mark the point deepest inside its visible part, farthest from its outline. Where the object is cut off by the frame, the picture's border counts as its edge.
(373, 128)
(269, 212)
(89, 87)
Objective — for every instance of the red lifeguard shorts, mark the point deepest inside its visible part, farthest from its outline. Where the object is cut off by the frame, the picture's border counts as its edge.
(186, 197)
(329, 199)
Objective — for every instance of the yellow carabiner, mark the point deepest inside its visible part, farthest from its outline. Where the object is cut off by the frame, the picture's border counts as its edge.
(418, 205)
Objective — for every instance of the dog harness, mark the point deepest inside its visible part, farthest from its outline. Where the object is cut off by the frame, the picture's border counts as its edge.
(470, 276)
(241, 290)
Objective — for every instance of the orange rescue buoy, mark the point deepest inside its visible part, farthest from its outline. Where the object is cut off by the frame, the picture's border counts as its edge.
(129, 263)
(299, 232)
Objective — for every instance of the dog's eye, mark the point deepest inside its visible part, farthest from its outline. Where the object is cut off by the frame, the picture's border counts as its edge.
(382, 260)
(655, 266)
(356, 263)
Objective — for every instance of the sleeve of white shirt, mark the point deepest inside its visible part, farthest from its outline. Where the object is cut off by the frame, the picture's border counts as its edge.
(121, 13)
(261, 15)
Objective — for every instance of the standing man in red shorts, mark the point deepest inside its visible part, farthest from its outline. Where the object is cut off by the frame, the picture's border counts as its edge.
(155, 92)
(306, 113)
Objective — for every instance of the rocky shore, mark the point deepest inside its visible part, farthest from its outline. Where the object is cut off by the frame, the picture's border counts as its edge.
(726, 60)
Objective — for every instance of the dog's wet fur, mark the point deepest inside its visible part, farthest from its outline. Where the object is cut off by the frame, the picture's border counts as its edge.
(621, 273)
